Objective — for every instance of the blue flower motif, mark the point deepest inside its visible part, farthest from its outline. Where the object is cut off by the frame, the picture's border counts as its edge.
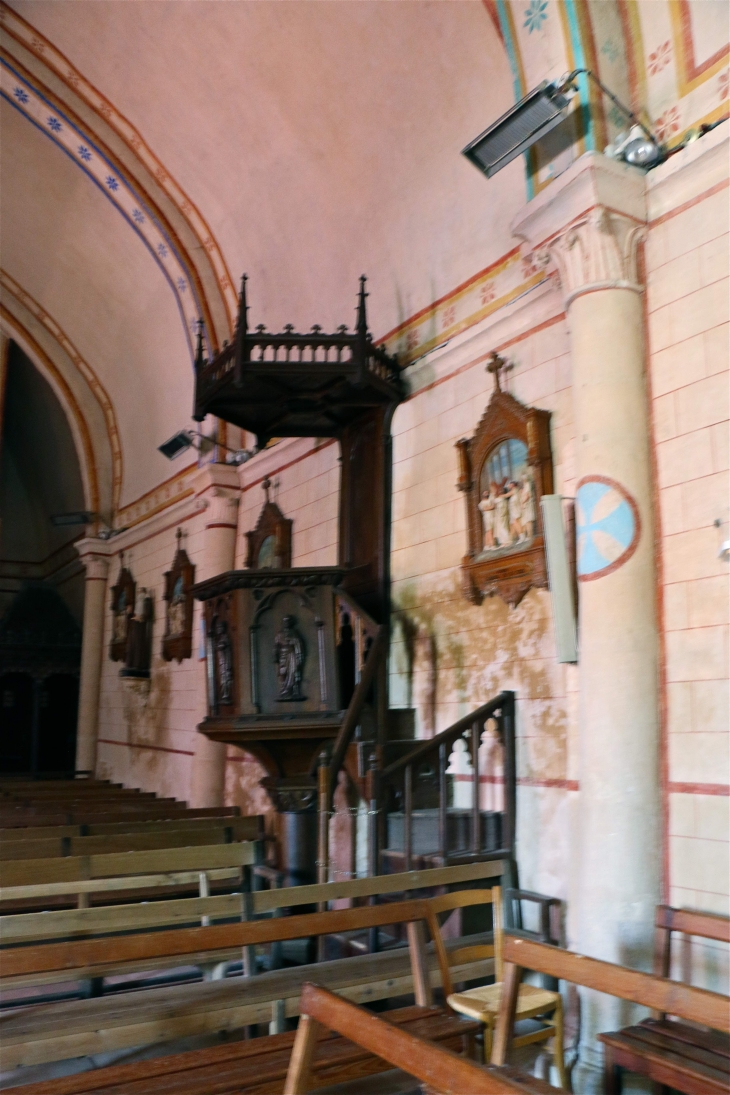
(138, 216)
(610, 49)
(54, 124)
(84, 153)
(182, 284)
(20, 95)
(535, 15)
(112, 183)
(162, 250)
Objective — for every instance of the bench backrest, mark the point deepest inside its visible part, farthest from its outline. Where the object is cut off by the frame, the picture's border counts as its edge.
(671, 997)
(115, 864)
(93, 957)
(442, 1070)
(165, 835)
(688, 922)
(28, 926)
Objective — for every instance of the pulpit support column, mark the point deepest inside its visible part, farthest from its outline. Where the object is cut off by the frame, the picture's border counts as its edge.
(588, 223)
(218, 485)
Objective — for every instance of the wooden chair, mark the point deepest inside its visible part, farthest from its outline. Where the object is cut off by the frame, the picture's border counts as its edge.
(653, 1047)
(483, 1003)
(438, 1068)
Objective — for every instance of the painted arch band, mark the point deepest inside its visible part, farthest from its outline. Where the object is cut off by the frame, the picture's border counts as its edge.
(608, 526)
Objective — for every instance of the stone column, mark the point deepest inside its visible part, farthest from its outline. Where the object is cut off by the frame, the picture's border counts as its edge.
(218, 485)
(94, 556)
(589, 222)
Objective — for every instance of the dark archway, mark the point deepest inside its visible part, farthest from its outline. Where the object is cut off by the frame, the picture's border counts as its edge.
(41, 577)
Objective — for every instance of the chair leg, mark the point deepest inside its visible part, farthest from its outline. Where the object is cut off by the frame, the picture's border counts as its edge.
(612, 1079)
(558, 1050)
(488, 1032)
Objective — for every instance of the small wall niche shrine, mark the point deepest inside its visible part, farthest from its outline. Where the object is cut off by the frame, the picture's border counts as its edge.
(504, 470)
(177, 641)
(269, 543)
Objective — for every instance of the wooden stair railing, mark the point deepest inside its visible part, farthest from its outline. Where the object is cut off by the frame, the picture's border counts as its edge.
(502, 707)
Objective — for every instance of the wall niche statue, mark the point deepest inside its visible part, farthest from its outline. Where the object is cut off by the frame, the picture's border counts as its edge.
(504, 470)
(123, 595)
(138, 656)
(177, 642)
(269, 543)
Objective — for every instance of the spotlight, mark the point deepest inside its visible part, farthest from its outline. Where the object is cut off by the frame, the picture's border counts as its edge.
(186, 439)
(539, 112)
(77, 517)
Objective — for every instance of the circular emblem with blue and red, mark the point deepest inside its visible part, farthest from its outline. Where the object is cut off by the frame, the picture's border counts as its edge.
(607, 526)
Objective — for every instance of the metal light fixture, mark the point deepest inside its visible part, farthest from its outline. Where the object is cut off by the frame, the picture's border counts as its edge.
(543, 109)
(183, 440)
(524, 124)
(77, 517)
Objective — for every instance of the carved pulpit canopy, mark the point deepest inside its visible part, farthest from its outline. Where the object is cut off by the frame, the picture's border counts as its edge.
(269, 543)
(177, 641)
(504, 470)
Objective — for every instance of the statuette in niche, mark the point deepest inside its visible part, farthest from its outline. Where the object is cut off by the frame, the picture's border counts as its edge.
(289, 661)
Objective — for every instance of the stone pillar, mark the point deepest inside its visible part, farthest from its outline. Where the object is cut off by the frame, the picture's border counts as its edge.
(94, 556)
(588, 222)
(218, 485)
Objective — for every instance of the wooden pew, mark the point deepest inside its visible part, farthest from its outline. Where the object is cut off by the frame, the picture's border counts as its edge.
(54, 1031)
(165, 834)
(256, 1067)
(661, 1055)
(673, 1042)
(27, 817)
(439, 1068)
(140, 871)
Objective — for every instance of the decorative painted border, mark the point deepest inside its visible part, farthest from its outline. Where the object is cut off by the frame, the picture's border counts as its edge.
(44, 50)
(497, 285)
(101, 395)
(689, 74)
(86, 153)
(623, 558)
(166, 494)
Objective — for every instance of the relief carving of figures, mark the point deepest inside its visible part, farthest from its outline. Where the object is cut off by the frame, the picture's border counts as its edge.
(122, 606)
(289, 661)
(139, 635)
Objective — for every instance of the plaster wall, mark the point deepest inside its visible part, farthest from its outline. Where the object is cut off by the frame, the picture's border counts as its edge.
(687, 297)
(151, 744)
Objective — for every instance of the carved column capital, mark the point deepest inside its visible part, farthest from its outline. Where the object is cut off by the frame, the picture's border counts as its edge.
(597, 251)
(95, 555)
(588, 223)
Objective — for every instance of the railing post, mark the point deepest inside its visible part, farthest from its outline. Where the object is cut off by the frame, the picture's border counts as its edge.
(442, 803)
(476, 836)
(510, 771)
(374, 792)
(323, 811)
(408, 816)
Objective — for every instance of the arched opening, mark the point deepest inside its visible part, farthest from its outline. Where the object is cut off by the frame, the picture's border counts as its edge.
(41, 577)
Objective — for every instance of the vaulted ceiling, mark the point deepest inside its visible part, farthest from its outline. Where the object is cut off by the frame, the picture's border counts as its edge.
(152, 152)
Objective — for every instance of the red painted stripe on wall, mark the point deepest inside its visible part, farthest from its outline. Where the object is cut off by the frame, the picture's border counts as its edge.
(154, 748)
(698, 788)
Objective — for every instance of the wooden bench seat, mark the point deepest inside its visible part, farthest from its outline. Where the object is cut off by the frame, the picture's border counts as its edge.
(669, 1052)
(259, 1066)
(683, 1066)
(438, 1068)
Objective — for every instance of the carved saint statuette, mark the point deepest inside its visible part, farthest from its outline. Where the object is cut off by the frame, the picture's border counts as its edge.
(289, 661)
(223, 663)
